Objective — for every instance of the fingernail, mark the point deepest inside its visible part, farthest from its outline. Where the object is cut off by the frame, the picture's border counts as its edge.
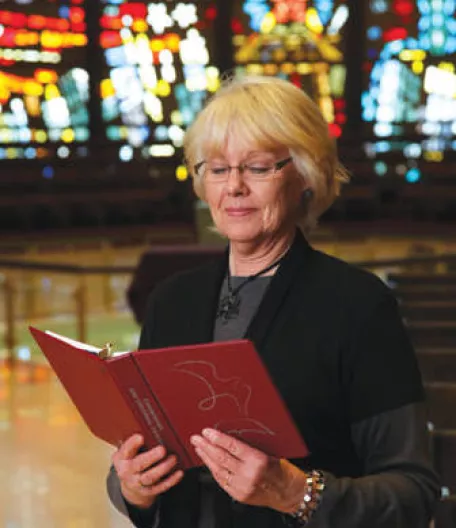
(160, 450)
(195, 440)
(209, 433)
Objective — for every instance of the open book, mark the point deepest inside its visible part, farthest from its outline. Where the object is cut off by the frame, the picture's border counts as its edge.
(171, 393)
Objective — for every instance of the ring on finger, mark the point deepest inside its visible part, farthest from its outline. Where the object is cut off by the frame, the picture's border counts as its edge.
(142, 484)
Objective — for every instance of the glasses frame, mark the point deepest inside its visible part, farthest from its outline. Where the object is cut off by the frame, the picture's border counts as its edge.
(278, 165)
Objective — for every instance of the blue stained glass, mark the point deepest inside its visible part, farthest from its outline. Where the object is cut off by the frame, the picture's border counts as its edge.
(369, 114)
(64, 12)
(377, 71)
(30, 153)
(397, 45)
(374, 33)
(379, 6)
(111, 11)
(424, 7)
(383, 146)
(161, 133)
(413, 175)
(116, 57)
(48, 172)
(425, 42)
(424, 24)
(372, 54)
(451, 45)
(438, 19)
(256, 9)
(411, 43)
(449, 8)
(325, 10)
(187, 115)
(381, 168)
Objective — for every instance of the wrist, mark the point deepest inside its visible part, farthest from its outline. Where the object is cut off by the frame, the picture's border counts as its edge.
(136, 500)
(310, 499)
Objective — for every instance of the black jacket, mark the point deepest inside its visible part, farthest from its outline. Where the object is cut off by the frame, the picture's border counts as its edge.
(333, 341)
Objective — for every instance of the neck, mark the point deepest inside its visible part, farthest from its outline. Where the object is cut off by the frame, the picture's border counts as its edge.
(248, 259)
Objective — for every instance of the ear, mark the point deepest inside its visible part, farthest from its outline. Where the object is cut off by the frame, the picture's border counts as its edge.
(306, 197)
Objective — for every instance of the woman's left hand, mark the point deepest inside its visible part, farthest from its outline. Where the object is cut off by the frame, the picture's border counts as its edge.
(249, 475)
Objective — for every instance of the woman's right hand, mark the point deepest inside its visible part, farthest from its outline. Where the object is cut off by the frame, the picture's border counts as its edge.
(144, 475)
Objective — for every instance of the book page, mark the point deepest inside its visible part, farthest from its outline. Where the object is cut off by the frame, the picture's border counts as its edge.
(76, 344)
(84, 346)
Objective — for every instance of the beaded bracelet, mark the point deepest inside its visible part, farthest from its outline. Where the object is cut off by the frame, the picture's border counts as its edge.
(315, 483)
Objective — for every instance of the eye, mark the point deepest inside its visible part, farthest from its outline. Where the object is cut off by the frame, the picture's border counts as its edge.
(219, 170)
(258, 169)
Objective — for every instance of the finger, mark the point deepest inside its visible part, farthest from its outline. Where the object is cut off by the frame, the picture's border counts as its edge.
(218, 455)
(223, 476)
(158, 472)
(129, 449)
(164, 485)
(234, 446)
(145, 460)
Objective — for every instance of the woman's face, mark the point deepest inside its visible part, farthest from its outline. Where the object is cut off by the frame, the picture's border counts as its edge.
(250, 210)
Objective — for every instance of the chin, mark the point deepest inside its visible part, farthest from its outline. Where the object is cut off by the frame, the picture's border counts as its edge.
(242, 233)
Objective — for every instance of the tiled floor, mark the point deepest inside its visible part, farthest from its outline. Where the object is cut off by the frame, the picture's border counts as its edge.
(52, 470)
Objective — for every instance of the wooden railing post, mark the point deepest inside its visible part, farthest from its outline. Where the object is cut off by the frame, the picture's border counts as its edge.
(10, 328)
(81, 310)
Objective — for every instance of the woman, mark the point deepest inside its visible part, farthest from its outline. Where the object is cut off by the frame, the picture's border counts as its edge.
(329, 334)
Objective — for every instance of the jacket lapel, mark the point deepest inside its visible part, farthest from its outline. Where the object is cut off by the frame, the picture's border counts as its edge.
(203, 308)
(280, 286)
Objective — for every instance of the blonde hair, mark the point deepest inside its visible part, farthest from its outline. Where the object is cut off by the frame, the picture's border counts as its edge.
(269, 113)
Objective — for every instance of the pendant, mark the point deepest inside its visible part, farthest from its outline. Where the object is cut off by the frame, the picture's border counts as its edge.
(228, 307)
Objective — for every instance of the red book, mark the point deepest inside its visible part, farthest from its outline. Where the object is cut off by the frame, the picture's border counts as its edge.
(168, 394)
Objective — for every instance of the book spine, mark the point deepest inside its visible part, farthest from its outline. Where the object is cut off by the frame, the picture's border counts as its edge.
(142, 402)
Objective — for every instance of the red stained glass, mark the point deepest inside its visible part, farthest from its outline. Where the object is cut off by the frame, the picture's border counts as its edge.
(200, 25)
(108, 22)
(5, 62)
(341, 119)
(58, 24)
(77, 14)
(335, 130)
(403, 7)
(135, 10)
(110, 39)
(17, 20)
(396, 33)
(80, 27)
(236, 26)
(36, 22)
(8, 38)
(339, 104)
(211, 13)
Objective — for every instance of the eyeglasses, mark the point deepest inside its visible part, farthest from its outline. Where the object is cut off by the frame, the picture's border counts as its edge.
(214, 171)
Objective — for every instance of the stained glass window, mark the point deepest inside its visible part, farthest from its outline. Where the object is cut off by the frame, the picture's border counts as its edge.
(44, 82)
(158, 71)
(299, 40)
(409, 97)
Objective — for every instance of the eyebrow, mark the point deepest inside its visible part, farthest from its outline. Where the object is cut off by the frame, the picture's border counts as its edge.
(250, 153)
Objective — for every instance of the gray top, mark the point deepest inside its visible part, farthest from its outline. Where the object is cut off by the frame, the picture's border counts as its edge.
(251, 295)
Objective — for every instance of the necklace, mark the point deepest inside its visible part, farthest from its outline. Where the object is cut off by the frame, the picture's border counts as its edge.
(230, 304)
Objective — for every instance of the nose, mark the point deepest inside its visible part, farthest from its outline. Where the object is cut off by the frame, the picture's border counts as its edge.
(235, 183)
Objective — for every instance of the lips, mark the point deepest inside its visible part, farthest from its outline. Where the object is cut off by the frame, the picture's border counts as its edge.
(239, 211)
